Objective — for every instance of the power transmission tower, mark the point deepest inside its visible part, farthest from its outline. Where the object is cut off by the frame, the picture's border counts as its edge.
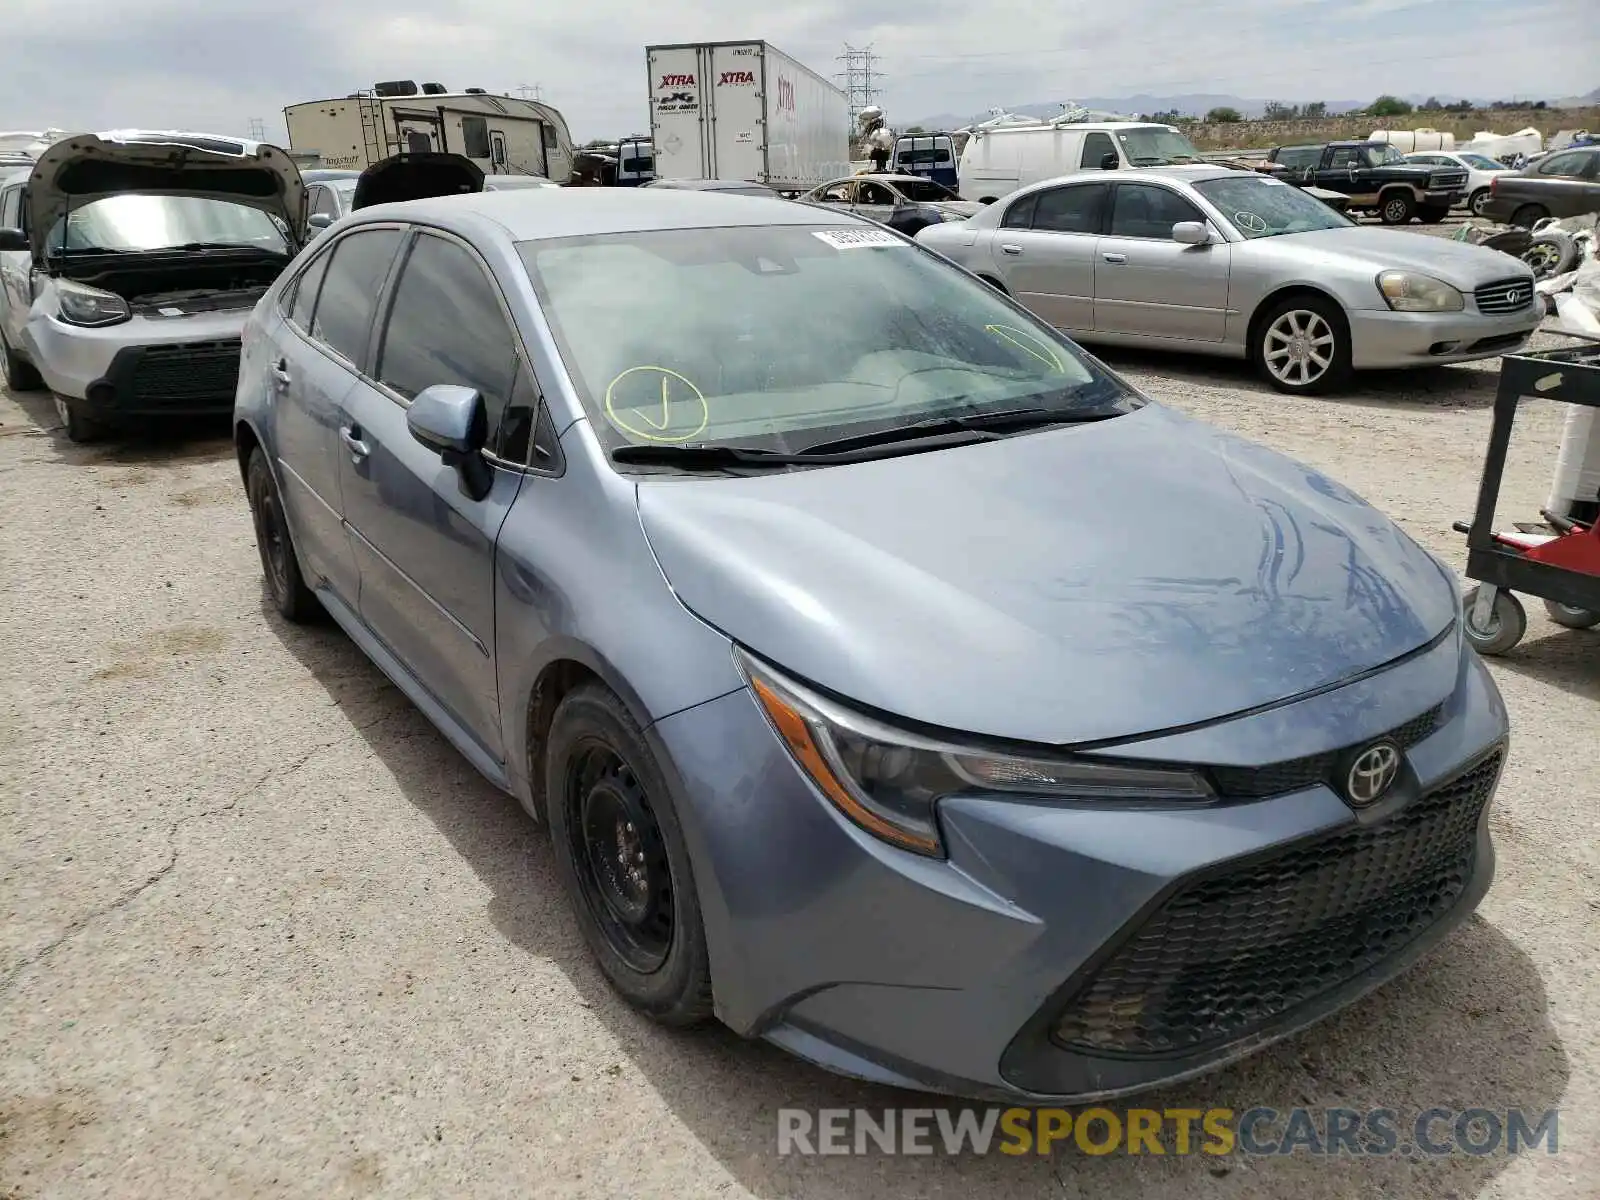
(258, 129)
(860, 77)
(535, 88)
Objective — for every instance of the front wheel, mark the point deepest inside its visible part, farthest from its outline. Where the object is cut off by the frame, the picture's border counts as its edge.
(1506, 623)
(1571, 615)
(21, 375)
(623, 860)
(1302, 346)
(78, 425)
(1397, 208)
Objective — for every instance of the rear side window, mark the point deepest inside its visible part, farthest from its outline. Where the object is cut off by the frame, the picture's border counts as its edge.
(1071, 209)
(1348, 156)
(1144, 210)
(1299, 156)
(1095, 147)
(11, 208)
(475, 137)
(1020, 214)
(303, 293)
(447, 326)
(343, 317)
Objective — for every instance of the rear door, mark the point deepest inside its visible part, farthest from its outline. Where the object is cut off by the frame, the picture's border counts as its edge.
(316, 354)
(1044, 251)
(677, 119)
(1145, 283)
(425, 549)
(16, 270)
(739, 132)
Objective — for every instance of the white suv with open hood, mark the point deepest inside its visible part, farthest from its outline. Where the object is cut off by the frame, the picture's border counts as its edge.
(129, 262)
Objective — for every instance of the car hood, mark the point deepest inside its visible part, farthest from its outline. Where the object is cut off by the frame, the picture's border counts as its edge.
(1457, 263)
(1088, 582)
(88, 167)
(418, 176)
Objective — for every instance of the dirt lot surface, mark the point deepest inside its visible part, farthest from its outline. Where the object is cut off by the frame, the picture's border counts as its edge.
(267, 935)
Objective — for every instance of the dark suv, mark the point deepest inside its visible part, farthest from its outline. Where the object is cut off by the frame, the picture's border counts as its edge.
(1377, 178)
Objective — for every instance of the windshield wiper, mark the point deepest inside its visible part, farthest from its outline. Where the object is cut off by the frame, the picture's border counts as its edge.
(983, 424)
(844, 450)
(221, 246)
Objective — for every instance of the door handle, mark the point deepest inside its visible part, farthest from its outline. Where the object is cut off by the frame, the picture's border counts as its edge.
(1008, 248)
(1115, 258)
(280, 373)
(350, 435)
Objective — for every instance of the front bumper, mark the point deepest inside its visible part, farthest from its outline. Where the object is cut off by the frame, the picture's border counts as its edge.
(1381, 338)
(142, 367)
(1443, 197)
(955, 976)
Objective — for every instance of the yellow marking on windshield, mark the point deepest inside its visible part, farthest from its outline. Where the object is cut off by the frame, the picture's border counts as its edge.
(664, 409)
(1020, 339)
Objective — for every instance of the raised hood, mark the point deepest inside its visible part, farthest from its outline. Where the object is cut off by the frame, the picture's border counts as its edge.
(1084, 583)
(416, 177)
(88, 167)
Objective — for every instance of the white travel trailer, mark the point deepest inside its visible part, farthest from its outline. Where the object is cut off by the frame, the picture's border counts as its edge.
(503, 135)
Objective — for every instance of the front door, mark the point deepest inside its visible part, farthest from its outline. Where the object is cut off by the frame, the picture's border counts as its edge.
(1145, 283)
(425, 548)
(1044, 252)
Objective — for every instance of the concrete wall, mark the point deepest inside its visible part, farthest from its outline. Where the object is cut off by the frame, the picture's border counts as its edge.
(1254, 134)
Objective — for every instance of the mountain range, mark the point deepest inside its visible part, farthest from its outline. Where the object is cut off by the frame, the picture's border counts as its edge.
(1198, 104)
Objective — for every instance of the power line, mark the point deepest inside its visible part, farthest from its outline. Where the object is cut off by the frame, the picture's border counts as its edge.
(860, 76)
(536, 88)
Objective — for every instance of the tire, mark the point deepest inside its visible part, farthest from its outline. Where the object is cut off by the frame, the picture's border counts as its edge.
(1397, 208)
(1477, 201)
(1431, 215)
(1551, 253)
(279, 563)
(606, 794)
(20, 374)
(1287, 338)
(1508, 621)
(1570, 616)
(1528, 214)
(78, 425)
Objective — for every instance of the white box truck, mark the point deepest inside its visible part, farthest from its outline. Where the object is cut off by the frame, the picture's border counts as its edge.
(504, 135)
(745, 110)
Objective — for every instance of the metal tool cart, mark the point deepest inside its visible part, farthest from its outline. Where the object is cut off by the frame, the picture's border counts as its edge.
(1558, 562)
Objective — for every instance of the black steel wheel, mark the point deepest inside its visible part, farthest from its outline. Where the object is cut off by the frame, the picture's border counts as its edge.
(623, 859)
(279, 564)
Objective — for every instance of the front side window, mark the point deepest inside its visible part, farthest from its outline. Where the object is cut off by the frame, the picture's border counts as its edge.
(783, 336)
(1075, 209)
(131, 223)
(1095, 148)
(1480, 162)
(472, 346)
(1261, 207)
(323, 201)
(10, 202)
(1144, 210)
(1564, 164)
(349, 297)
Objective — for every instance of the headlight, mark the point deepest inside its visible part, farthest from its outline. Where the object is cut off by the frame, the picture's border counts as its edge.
(79, 305)
(1407, 291)
(889, 781)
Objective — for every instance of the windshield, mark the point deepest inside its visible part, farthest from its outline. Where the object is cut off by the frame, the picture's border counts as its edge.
(346, 189)
(923, 189)
(1260, 207)
(1154, 145)
(779, 337)
(1481, 163)
(133, 223)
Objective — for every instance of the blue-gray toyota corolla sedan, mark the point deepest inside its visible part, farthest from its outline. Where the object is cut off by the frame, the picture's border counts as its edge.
(898, 684)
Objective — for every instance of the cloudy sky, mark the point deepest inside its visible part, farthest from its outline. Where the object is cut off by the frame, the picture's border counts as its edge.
(200, 64)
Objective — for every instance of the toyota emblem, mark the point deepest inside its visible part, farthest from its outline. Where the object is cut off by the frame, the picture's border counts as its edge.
(1372, 773)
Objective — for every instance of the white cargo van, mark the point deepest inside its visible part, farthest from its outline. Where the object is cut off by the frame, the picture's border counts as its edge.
(745, 110)
(999, 159)
(502, 135)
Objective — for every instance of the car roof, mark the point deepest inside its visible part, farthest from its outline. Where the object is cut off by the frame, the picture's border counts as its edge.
(706, 185)
(529, 214)
(324, 174)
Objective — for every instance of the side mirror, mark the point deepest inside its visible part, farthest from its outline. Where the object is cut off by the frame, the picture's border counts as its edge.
(319, 221)
(1109, 162)
(1191, 233)
(453, 422)
(13, 240)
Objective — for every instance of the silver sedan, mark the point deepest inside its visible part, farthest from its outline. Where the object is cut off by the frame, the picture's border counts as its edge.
(1241, 265)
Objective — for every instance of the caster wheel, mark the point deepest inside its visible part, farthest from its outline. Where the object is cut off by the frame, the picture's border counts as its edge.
(1571, 616)
(1506, 624)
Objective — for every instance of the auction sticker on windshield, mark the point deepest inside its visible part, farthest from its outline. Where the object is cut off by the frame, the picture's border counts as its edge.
(853, 239)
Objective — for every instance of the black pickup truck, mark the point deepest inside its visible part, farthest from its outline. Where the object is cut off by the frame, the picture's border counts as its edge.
(1375, 176)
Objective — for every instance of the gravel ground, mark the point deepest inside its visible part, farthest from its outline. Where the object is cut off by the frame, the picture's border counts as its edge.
(267, 935)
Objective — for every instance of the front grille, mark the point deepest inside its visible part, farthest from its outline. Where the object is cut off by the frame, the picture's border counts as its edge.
(1291, 775)
(185, 375)
(1505, 295)
(1223, 956)
(1447, 180)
